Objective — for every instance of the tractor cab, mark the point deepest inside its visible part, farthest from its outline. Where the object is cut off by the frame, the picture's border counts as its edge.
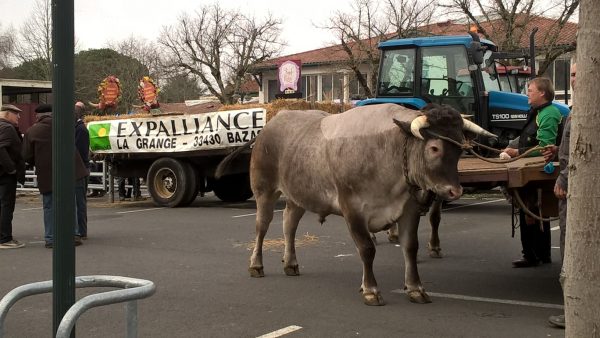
(460, 71)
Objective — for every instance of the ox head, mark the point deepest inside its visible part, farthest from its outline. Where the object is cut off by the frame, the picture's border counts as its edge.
(432, 161)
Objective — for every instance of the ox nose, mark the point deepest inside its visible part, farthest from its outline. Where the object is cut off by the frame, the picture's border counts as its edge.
(453, 192)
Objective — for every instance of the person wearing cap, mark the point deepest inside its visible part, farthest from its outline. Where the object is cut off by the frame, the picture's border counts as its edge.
(37, 150)
(12, 170)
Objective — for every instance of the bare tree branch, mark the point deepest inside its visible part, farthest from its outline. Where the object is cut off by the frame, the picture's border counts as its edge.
(219, 46)
(508, 22)
(34, 41)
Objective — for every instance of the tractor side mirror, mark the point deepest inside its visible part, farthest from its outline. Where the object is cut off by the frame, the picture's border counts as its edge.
(476, 52)
(476, 49)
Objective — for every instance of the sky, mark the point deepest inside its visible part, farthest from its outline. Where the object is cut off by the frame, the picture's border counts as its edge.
(97, 22)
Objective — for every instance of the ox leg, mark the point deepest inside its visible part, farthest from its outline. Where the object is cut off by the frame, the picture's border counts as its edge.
(393, 234)
(366, 249)
(435, 215)
(409, 224)
(291, 218)
(264, 215)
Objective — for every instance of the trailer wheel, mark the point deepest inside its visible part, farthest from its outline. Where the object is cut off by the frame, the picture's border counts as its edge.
(170, 181)
(233, 188)
(192, 188)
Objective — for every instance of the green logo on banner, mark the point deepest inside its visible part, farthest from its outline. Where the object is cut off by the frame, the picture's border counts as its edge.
(99, 136)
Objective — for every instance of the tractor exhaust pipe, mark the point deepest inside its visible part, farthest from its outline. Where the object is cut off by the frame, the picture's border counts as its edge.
(532, 51)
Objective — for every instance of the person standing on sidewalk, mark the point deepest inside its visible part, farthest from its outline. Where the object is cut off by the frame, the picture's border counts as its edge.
(12, 169)
(37, 150)
(560, 189)
(82, 143)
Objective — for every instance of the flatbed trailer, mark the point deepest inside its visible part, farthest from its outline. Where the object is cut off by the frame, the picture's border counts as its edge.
(177, 154)
(523, 178)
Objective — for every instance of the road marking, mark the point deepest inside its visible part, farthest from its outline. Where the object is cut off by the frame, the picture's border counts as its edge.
(36, 242)
(27, 209)
(490, 300)
(281, 332)
(469, 205)
(555, 228)
(139, 210)
(343, 255)
(254, 214)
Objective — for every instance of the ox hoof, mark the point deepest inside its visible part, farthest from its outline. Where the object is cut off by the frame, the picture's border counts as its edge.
(256, 272)
(292, 270)
(418, 296)
(393, 239)
(372, 299)
(435, 253)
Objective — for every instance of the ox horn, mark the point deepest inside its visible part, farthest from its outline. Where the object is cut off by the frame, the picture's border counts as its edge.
(416, 125)
(470, 126)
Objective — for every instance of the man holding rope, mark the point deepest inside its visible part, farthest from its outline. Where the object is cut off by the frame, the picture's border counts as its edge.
(541, 129)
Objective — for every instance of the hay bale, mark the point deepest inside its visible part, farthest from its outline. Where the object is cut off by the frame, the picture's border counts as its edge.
(287, 104)
(272, 108)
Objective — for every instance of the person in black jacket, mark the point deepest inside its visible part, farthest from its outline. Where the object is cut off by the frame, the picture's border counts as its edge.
(37, 150)
(12, 169)
(82, 143)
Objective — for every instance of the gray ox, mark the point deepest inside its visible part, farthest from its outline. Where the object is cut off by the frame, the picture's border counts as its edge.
(367, 165)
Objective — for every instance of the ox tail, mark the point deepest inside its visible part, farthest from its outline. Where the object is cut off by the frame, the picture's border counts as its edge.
(224, 165)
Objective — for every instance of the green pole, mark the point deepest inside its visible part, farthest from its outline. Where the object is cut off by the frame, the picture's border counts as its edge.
(63, 150)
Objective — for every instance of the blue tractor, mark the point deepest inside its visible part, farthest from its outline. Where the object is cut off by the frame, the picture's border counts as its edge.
(459, 71)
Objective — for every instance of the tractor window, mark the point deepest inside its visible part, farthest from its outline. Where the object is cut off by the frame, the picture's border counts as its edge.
(445, 77)
(397, 73)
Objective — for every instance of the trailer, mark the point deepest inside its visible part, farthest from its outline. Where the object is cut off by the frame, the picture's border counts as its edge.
(524, 179)
(177, 154)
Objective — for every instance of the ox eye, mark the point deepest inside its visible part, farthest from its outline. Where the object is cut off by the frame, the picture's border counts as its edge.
(435, 149)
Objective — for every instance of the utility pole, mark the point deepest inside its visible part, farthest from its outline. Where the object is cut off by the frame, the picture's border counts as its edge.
(63, 151)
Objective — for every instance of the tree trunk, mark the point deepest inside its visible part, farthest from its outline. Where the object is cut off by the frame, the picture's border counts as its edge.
(582, 256)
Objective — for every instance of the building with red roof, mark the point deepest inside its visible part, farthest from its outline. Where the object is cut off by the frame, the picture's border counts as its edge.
(325, 75)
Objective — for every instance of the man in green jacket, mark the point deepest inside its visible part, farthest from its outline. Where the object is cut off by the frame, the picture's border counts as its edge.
(541, 129)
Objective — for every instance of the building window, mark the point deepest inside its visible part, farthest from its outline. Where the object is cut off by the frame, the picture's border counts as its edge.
(558, 72)
(273, 90)
(355, 90)
(332, 87)
(309, 87)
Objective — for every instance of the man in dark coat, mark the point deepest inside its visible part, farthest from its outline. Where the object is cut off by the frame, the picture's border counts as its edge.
(37, 150)
(12, 169)
(82, 143)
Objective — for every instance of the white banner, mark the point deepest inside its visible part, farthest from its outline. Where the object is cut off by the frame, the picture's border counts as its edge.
(177, 133)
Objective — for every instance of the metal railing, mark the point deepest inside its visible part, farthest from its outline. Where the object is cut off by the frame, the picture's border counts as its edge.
(133, 289)
(100, 173)
(99, 180)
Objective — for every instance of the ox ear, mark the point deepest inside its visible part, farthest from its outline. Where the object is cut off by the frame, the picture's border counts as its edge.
(405, 126)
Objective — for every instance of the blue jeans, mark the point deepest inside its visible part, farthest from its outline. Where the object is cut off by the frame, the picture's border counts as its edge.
(49, 218)
(81, 205)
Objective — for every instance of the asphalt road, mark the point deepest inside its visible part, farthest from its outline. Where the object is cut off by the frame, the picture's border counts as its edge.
(198, 258)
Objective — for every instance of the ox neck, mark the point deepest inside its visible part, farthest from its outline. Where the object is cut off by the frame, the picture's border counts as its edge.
(423, 197)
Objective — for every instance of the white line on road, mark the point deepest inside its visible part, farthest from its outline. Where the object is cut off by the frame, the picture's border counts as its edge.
(490, 300)
(554, 228)
(27, 209)
(254, 214)
(139, 210)
(281, 332)
(470, 205)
